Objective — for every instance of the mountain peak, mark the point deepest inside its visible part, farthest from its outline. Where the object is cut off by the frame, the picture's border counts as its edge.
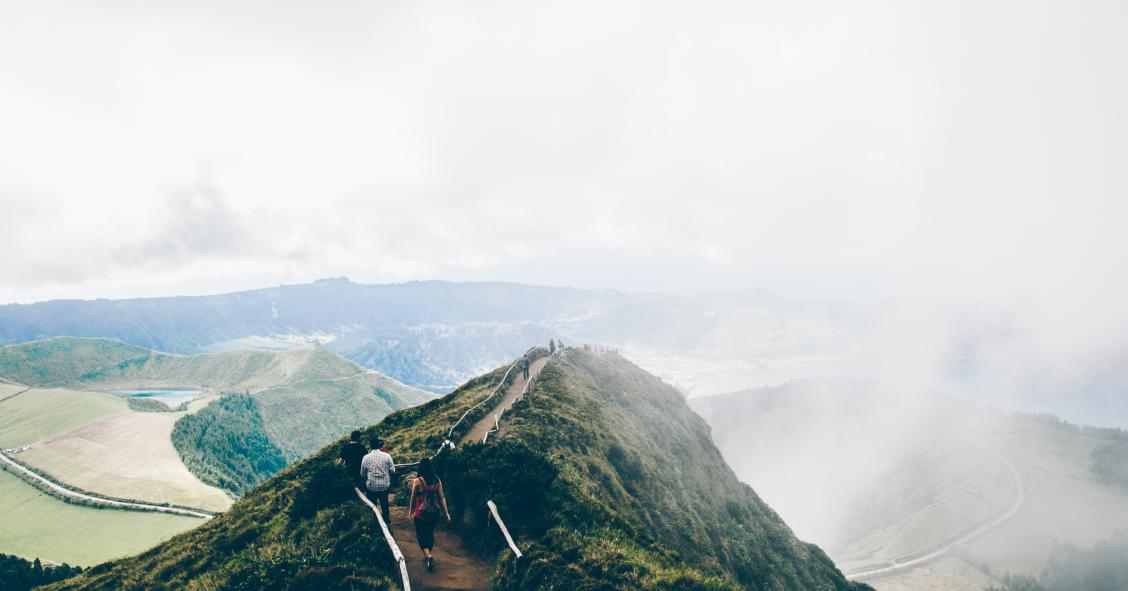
(333, 281)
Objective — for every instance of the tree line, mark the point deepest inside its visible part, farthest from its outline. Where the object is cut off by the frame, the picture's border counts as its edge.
(17, 574)
(225, 444)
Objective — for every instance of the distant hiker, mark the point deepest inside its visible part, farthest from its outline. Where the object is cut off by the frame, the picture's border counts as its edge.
(428, 504)
(376, 469)
(525, 366)
(352, 453)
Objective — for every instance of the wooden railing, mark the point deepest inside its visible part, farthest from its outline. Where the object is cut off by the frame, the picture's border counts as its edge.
(447, 443)
(389, 538)
(504, 530)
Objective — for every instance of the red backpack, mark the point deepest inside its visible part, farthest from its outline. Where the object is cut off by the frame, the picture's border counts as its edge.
(428, 505)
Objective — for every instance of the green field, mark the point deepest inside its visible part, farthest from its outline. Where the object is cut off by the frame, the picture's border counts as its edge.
(93, 441)
(127, 455)
(39, 414)
(36, 525)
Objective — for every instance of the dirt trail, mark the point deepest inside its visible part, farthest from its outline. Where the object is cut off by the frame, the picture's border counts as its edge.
(479, 430)
(456, 568)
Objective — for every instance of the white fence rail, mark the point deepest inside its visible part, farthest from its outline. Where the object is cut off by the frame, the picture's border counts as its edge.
(389, 538)
(504, 530)
(518, 398)
(447, 443)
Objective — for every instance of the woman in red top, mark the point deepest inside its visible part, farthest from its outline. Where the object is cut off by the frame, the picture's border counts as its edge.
(427, 504)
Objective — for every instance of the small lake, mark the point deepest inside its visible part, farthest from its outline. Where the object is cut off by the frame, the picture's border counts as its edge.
(173, 397)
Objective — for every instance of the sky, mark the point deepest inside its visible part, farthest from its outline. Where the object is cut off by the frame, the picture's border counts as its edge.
(862, 150)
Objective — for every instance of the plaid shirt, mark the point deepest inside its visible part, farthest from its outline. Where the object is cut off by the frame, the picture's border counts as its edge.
(376, 470)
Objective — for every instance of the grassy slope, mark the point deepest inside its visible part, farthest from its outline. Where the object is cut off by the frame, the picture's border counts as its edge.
(305, 398)
(38, 525)
(607, 478)
(62, 360)
(650, 489)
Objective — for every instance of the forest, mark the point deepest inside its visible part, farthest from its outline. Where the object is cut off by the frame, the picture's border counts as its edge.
(225, 444)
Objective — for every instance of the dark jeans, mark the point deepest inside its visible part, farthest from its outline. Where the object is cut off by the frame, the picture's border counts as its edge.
(526, 374)
(381, 497)
(425, 532)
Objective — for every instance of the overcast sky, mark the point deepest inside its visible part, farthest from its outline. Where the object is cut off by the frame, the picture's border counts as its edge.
(860, 149)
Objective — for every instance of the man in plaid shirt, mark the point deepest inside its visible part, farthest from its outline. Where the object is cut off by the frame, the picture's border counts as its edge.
(376, 471)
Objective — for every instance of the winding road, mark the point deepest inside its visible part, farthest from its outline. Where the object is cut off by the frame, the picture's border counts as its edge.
(916, 559)
(135, 505)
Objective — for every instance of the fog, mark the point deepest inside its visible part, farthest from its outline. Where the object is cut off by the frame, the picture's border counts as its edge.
(934, 190)
(871, 150)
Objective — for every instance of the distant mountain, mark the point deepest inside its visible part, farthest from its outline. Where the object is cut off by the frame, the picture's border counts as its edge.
(435, 334)
(293, 402)
(604, 476)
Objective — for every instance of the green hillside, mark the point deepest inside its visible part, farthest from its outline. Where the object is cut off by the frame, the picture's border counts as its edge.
(297, 401)
(63, 360)
(604, 475)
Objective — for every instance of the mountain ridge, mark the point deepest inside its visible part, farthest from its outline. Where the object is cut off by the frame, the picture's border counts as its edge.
(582, 473)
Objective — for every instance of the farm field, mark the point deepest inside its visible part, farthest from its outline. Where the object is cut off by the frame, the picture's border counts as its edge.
(41, 413)
(7, 389)
(73, 428)
(39, 525)
(126, 455)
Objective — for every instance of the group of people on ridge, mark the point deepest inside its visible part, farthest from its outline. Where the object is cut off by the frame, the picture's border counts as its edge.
(374, 472)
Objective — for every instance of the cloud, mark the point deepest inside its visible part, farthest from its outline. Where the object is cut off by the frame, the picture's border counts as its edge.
(865, 151)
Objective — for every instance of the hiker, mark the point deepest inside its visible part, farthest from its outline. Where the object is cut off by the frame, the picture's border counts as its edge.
(525, 366)
(376, 470)
(427, 503)
(352, 453)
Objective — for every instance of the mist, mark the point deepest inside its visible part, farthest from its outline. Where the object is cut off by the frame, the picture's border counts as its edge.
(863, 216)
(865, 152)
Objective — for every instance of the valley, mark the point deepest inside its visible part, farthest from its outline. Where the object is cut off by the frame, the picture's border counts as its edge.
(74, 425)
(38, 525)
(927, 493)
(903, 490)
